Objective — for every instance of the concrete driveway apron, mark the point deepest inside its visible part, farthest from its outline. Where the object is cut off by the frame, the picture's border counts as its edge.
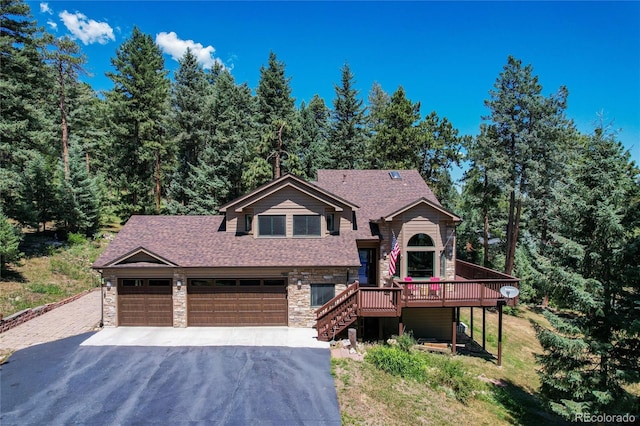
(112, 378)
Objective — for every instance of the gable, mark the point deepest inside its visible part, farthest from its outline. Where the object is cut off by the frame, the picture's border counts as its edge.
(141, 257)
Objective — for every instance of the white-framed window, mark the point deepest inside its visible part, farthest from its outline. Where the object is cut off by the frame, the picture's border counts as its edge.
(421, 257)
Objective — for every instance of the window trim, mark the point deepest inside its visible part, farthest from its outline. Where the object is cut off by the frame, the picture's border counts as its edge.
(307, 217)
(271, 235)
(317, 286)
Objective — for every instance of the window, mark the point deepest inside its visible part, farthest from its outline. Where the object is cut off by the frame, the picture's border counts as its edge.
(420, 240)
(248, 219)
(331, 222)
(420, 256)
(420, 264)
(306, 225)
(132, 283)
(273, 225)
(253, 283)
(159, 283)
(322, 293)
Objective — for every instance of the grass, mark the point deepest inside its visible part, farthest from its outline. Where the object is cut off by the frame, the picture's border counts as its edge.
(503, 395)
(50, 271)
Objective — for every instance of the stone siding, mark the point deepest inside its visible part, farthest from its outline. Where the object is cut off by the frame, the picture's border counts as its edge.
(110, 302)
(301, 313)
(179, 300)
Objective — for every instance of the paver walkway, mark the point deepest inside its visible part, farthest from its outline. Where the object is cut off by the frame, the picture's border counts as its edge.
(77, 317)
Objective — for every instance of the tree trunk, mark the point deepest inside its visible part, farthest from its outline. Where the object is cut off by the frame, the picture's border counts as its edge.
(485, 213)
(279, 151)
(515, 230)
(510, 227)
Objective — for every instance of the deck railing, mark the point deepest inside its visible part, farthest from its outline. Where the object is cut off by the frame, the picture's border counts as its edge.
(474, 286)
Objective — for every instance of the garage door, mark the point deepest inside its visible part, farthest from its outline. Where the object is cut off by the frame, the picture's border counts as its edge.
(145, 302)
(237, 302)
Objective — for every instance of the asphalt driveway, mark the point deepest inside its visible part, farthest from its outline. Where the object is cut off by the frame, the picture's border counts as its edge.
(65, 383)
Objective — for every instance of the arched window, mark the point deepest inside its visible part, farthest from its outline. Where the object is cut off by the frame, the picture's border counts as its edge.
(420, 240)
(420, 256)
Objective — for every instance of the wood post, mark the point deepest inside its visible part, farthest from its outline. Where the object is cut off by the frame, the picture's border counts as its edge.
(455, 332)
(471, 320)
(499, 334)
(484, 328)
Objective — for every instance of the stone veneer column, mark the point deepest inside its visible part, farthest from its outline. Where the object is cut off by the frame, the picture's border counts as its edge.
(110, 302)
(179, 300)
(301, 313)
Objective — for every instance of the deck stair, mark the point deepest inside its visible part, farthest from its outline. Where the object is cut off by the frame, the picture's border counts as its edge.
(337, 314)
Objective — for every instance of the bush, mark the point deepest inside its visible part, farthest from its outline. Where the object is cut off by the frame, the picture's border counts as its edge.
(439, 371)
(398, 362)
(75, 239)
(45, 288)
(406, 342)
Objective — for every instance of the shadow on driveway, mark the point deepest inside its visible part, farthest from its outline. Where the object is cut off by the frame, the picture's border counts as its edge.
(63, 383)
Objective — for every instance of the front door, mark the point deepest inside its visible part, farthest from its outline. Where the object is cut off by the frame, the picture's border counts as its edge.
(368, 266)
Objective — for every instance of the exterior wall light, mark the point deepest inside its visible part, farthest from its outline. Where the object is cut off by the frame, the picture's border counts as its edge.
(179, 284)
(108, 282)
(299, 284)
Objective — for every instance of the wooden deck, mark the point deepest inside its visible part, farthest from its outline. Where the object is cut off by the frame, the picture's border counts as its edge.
(474, 286)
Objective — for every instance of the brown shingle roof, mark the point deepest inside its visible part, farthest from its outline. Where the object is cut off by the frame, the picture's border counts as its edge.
(375, 192)
(195, 241)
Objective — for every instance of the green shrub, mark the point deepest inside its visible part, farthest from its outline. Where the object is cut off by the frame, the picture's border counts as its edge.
(438, 371)
(395, 361)
(75, 239)
(45, 288)
(406, 342)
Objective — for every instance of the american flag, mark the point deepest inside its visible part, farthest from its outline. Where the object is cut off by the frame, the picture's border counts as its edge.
(395, 252)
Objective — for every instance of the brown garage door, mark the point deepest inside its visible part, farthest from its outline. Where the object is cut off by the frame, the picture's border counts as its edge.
(145, 302)
(237, 302)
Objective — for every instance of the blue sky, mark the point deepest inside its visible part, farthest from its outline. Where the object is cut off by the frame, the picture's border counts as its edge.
(447, 55)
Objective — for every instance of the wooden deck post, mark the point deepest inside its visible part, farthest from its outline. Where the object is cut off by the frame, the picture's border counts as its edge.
(499, 333)
(471, 320)
(484, 327)
(455, 332)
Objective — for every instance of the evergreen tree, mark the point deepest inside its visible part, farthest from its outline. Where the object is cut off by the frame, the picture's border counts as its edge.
(36, 196)
(277, 124)
(591, 355)
(524, 123)
(394, 145)
(25, 113)
(191, 95)
(314, 122)
(439, 148)
(216, 177)
(139, 106)
(67, 63)
(10, 237)
(79, 197)
(347, 131)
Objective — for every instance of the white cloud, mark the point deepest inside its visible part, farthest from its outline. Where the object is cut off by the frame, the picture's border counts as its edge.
(53, 25)
(44, 8)
(170, 44)
(87, 30)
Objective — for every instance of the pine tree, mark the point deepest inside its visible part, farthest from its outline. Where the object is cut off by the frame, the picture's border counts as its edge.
(348, 125)
(524, 123)
(10, 237)
(36, 196)
(438, 148)
(67, 62)
(277, 124)
(139, 107)
(25, 112)
(593, 353)
(191, 95)
(394, 145)
(314, 122)
(79, 196)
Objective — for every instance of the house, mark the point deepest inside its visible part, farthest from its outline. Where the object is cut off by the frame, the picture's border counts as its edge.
(301, 254)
